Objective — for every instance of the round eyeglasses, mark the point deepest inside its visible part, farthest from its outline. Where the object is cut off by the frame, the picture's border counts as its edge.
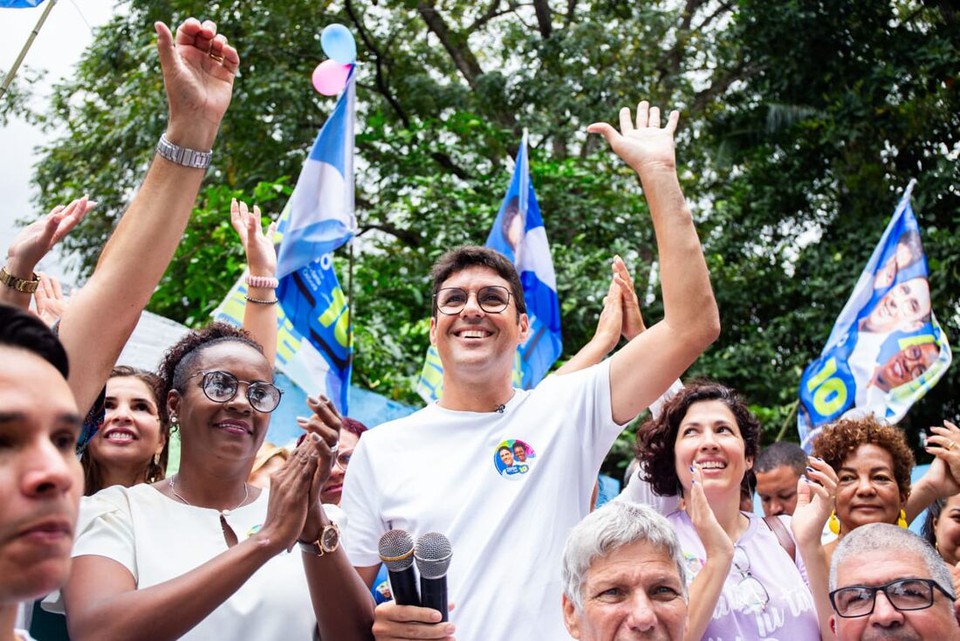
(750, 591)
(492, 299)
(222, 387)
(903, 594)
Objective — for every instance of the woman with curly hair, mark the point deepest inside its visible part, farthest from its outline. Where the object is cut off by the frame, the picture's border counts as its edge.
(873, 463)
(204, 554)
(132, 444)
(700, 447)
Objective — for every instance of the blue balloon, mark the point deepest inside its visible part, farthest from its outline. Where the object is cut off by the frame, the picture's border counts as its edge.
(338, 43)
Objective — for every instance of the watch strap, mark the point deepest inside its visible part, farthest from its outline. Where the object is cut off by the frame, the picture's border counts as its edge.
(318, 548)
(182, 155)
(22, 285)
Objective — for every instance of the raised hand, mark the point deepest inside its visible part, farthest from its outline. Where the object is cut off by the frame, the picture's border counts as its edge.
(944, 472)
(258, 246)
(198, 72)
(643, 144)
(716, 542)
(289, 487)
(36, 239)
(49, 300)
(630, 302)
(815, 498)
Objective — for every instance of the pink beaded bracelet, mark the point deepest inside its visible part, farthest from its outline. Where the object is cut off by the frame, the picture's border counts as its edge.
(262, 281)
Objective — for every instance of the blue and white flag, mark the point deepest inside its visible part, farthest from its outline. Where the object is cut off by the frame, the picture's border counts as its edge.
(886, 348)
(519, 234)
(321, 206)
(19, 4)
(314, 344)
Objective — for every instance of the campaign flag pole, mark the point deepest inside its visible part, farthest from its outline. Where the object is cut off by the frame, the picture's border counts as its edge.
(519, 234)
(314, 345)
(23, 4)
(886, 349)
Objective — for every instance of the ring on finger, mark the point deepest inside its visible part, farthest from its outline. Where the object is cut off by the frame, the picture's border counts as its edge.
(216, 57)
(952, 445)
(335, 447)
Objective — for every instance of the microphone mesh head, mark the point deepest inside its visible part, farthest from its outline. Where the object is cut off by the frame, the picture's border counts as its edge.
(433, 555)
(396, 550)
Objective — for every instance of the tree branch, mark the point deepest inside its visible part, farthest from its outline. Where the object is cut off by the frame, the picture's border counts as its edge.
(454, 43)
(542, 8)
(380, 76)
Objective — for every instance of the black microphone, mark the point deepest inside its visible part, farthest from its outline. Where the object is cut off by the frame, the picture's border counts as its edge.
(396, 550)
(433, 558)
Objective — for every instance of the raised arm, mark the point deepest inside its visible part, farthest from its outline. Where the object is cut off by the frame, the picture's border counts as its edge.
(260, 312)
(198, 71)
(646, 366)
(31, 244)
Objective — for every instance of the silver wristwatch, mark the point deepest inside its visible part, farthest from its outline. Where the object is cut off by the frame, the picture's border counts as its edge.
(182, 155)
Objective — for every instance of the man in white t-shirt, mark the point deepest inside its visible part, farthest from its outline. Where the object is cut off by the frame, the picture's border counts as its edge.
(440, 468)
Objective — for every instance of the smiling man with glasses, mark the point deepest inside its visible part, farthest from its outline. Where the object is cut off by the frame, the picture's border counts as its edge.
(888, 583)
(452, 467)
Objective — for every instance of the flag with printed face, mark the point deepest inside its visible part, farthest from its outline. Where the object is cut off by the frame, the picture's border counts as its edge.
(314, 344)
(886, 348)
(519, 234)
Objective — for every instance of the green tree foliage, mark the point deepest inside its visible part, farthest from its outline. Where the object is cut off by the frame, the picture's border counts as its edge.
(800, 123)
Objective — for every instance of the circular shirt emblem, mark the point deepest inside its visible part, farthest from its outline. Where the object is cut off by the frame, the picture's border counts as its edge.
(513, 458)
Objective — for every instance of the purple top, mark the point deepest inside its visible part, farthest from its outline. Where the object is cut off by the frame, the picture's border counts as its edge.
(743, 612)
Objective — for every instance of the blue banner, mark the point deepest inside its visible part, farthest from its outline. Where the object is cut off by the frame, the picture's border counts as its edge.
(519, 234)
(886, 348)
(19, 4)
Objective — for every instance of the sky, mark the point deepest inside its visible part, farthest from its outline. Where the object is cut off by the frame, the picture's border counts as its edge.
(57, 48)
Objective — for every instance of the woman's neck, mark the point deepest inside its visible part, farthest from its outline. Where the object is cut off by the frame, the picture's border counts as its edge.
(125, 476)
(728, 515)
(210, 488)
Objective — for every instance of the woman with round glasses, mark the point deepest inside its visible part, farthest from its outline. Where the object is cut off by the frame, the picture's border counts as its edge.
(203, 554)
(743, 580)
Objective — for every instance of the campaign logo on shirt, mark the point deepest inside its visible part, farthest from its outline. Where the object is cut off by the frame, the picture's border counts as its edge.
(513, 458)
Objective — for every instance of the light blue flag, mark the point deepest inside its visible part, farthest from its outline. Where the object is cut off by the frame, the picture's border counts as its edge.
(321, 206)
(886, 348)
(19, 4)
(314, 342)
(519, 234)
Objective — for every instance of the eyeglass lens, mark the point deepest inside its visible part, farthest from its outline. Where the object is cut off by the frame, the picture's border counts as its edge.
(751, 592)
(221, 387)
(906, 594)
(491, 299)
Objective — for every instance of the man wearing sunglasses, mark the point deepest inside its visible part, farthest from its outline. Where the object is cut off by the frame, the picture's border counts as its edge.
(438, 470)
(888, 583)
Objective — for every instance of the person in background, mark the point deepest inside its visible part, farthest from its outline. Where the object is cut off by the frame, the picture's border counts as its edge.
(623, 577)
(778, 469)
(40, 476)
(270, 459)
(350, 432)
(888, 583)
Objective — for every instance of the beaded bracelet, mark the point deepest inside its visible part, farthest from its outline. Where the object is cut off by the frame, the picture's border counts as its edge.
(268, 282)
(260, 301)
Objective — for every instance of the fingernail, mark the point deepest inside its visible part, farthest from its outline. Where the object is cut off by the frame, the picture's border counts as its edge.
(818, 458)
(314, 437)
(692, 469)
(810, 469)
(302, 421)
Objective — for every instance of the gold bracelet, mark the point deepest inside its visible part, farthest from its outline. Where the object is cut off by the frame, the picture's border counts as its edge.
(260, 301)
(22, 285)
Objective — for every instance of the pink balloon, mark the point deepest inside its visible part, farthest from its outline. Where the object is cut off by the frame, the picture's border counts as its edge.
(330, 77)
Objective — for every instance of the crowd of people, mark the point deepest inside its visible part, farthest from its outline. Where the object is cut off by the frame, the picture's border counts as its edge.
(247, 540)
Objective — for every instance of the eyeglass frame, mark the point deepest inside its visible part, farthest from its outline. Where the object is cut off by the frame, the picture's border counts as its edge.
(249, 385)
(874, 589)
(343, 466)
(746, 575)
(436, 299)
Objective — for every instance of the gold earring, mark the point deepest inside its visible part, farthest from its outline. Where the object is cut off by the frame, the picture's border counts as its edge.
(902, 521)
(834, 523)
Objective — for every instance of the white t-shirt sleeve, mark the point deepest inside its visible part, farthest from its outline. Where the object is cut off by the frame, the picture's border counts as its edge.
(361, 503)
(639, 491)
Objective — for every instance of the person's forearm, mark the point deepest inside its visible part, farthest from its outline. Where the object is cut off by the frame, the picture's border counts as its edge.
(922, 494)
(590, 354)
(260, 318)
(168, 610)
(126, 275)
(10, 296)
(704, 592)
(817, 566)
(342, 603)
(688, 302)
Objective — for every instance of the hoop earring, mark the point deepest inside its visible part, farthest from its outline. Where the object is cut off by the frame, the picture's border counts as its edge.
(902, 521)
(834, 523)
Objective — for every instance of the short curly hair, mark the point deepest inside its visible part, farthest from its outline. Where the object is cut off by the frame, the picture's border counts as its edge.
(179, 359)
(840, 439)
(657, 436)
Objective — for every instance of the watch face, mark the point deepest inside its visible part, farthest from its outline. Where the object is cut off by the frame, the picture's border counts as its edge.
(330, 538)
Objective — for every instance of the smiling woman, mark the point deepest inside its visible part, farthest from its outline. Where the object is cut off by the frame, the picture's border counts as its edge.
(205, 543)
(700, 447)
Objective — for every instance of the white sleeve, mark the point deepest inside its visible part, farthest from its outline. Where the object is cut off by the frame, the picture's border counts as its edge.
(361, 503)
(639, 491)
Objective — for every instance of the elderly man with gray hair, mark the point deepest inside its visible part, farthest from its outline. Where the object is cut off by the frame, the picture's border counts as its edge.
(623, 577)
(888, 583)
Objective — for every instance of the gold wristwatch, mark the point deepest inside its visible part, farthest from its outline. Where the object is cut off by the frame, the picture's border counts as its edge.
(22, 285)
(326, 543)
